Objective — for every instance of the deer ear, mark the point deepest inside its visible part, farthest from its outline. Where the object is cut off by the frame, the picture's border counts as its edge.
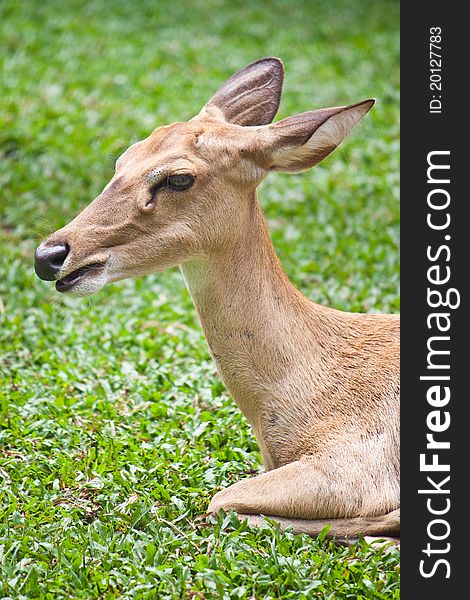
(300, 142)
(251, 96)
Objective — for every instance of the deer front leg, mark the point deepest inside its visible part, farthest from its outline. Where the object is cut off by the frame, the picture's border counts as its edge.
(303, 491)
(300, 496)
(294, 490)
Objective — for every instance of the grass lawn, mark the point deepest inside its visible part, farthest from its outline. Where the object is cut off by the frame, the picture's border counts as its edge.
(115, 430)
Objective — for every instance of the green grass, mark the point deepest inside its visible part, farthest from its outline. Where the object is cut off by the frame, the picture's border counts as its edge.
(114, 428)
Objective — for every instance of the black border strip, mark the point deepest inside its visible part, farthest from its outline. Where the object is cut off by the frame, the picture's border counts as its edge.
(434, 255)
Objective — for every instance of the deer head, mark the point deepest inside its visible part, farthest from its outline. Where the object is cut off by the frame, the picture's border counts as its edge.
(189, 188)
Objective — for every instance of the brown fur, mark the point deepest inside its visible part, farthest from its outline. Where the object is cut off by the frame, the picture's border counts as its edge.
(320, 387)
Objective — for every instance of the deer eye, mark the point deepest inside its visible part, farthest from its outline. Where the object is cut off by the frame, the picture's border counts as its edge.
(179, 183)
(183, 181)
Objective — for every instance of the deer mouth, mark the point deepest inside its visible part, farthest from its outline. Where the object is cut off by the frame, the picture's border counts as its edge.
(75, 277)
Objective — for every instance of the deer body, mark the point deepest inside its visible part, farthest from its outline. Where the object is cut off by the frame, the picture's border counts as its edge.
(320, 387)
(297, 370)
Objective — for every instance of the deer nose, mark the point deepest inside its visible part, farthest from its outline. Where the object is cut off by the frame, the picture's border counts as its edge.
(48, 260)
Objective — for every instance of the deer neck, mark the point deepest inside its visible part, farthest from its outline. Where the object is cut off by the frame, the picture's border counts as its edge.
(250, 313)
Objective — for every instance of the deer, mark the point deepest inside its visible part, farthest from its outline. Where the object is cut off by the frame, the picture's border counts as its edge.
(319, 386)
